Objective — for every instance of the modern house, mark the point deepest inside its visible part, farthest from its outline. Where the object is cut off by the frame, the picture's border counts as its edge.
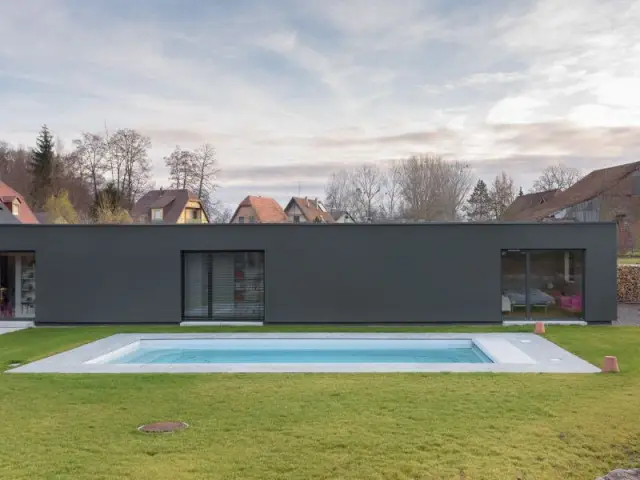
(608, 194)
(306, 210)
(169, 207)
(527, 202)
(15, 203)
(256, 209)
(434, 273)
(342, 216)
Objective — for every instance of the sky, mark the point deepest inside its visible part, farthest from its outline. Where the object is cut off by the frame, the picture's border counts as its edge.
(291, 90)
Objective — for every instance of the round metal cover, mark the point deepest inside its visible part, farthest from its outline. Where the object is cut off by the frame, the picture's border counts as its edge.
(162, 427)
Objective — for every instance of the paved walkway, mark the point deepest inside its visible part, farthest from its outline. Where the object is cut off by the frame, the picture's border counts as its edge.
(628, 314)
(8, 326)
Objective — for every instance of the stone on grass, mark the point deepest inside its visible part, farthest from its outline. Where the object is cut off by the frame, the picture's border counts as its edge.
(622, 475)
(162, 427)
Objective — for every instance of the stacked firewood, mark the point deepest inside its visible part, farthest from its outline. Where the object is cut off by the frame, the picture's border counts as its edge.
(629, 283)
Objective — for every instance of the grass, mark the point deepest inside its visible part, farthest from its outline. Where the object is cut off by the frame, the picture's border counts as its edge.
(307, 426)
(629, 260)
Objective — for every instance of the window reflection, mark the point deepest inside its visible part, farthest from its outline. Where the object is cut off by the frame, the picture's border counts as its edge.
(224, 285)
(551, 287)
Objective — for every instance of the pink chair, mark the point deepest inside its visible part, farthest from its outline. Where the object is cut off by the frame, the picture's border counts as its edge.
(571, 303)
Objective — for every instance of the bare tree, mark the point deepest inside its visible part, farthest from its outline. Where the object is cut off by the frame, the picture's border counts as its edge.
(129, 163)
(339, 192)
(502, 194)
(182, 167)
(392, 201)
(556, 177)
(458, 181)
(91, 151)
(205, 171)
(366, 183)
(432, 188)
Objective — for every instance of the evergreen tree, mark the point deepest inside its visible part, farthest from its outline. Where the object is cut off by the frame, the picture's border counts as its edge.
(520, 192)
(478, 206)
(42, 168)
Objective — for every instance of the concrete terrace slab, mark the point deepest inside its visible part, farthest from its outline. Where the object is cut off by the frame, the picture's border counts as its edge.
(510, 352)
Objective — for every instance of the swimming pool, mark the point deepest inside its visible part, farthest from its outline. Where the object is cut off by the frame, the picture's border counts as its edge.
(313, 353)
(299, 350)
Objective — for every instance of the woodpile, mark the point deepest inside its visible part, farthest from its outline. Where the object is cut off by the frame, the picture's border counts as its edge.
(629, 283)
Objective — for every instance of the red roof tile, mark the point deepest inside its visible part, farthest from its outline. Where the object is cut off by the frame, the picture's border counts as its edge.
(311, 209)
(267, 210)
(591, 186)
(8, 194)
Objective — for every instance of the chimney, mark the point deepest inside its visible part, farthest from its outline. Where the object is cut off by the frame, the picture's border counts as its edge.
(306, 201)
(317, 204)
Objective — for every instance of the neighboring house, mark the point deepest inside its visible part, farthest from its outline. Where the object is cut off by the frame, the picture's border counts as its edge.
(6, 216)
(14, 202)
(256, 209)
(526, 202)
(169, 206)
(608, 194)
(341, 216)
(306, 210)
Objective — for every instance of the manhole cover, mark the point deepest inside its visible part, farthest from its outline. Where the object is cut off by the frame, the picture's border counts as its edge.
(162, 427)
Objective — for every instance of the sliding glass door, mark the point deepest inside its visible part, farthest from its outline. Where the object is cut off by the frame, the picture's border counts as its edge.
(223, 286)
(514, 277)
(544, 284)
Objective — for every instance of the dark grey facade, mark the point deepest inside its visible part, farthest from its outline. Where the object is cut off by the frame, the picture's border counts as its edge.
(367, 274)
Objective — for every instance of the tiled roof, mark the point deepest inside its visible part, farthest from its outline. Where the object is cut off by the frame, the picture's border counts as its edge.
(336, 214)
(267, 210)
(311, 209)
(8, 194)
(591, 186)
(527, 201)
(172, 203)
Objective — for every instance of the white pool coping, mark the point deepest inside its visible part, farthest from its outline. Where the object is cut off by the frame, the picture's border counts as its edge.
(511, 352)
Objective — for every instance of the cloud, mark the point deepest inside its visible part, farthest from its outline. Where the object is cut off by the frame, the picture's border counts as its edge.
(289, 94)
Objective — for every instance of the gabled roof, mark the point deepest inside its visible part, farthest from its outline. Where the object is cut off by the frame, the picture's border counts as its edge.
(267, 210)
(172, 203)
(524, 202)
(311, 209)
(336, 214)
(8, 194)
(591, 186)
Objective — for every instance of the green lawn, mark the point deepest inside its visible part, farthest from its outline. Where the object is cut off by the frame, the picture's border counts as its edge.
(307, 426)
(628, 260)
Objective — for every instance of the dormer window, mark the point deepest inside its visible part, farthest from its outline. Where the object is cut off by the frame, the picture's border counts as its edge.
(156, 214)
(15, 208)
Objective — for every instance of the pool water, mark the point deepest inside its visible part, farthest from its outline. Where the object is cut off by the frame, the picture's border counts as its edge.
(301, 351)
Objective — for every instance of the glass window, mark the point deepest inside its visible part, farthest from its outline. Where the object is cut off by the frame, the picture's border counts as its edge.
(17, 285)
(224, 286)
(513, 298)
(240, 219)
(543, 284)
(252, 219)
(15, 208)
(556, 284)
(296, 219)
(156, 214)
(196, 284)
